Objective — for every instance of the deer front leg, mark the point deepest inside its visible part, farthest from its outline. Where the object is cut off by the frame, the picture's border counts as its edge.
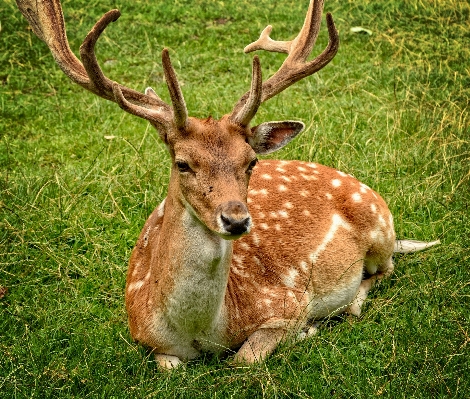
(259, 345)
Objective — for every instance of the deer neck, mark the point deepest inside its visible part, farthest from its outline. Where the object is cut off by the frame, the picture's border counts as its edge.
(193, 264)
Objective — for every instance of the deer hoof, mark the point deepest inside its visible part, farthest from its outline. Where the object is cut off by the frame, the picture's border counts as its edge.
(167, 362)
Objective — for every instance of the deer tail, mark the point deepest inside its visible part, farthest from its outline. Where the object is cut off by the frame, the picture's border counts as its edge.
(409, 246)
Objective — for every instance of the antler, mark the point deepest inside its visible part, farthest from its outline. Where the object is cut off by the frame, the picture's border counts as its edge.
(244, 115)
(295, 66)
(47, 21)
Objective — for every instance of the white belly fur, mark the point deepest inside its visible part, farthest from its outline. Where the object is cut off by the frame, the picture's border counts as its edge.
(336, 301)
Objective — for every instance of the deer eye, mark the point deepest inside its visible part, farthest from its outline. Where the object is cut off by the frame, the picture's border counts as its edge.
(183, 167)
(251, 165)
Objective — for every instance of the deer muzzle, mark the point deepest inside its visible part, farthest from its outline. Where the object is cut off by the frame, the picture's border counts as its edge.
(233, 219)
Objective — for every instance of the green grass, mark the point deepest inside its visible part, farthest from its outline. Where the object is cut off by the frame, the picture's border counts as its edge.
(391, 108)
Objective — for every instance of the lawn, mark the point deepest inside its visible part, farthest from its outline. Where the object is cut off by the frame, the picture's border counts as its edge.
(78, 178)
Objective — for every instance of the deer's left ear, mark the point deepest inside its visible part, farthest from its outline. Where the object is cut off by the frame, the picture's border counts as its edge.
(271, 136)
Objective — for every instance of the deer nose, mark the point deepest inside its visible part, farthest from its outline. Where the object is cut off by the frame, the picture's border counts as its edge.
(234, 218)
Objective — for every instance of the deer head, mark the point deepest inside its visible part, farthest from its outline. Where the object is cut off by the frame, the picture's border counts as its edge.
(211, 159)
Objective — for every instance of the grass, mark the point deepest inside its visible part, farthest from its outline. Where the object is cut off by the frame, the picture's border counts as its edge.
(391, 108)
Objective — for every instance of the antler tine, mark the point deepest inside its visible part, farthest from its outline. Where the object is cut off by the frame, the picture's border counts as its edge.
(295, 66)
(180, 112)
(266, 43)
(303, 44)
(246, 114)
(299, 48)
(101, 84)
(47, 21)
(157, 117)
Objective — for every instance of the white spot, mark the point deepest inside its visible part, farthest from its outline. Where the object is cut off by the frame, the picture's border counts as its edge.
(309, 177)
(249, 200)
(238, 258)
(244, 246)
(377, 235)
(373, 208)
(241, 272)
(336, 182)
(289, 278)
(282, 188)
(357, 197)
(382, 221)
(301, 169)
(147, 276)
(280, 170)
(304, 193)
(283, 214)
(257, 261)
(266, 176)
(336, 223)
(161, 209)
(263, 191)
(255, 239)
(341, 173)
(304, 266)
(285, 178)
(273, 215)
(328, 196)
(306, 212)
(277, 227)
(135, 286)
(312, 165)
(363, 190)
(364, 186)
(264, 226)
(261, 215)
(288, 205)
(267, 301)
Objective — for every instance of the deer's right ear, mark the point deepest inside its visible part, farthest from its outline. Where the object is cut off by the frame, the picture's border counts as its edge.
(271, 136)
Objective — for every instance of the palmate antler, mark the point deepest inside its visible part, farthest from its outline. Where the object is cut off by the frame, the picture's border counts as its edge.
(295, 66)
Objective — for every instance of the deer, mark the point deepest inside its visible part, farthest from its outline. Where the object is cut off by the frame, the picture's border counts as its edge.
(242, 253)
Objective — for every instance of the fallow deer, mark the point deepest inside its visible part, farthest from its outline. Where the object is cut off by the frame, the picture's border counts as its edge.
(241, 251)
